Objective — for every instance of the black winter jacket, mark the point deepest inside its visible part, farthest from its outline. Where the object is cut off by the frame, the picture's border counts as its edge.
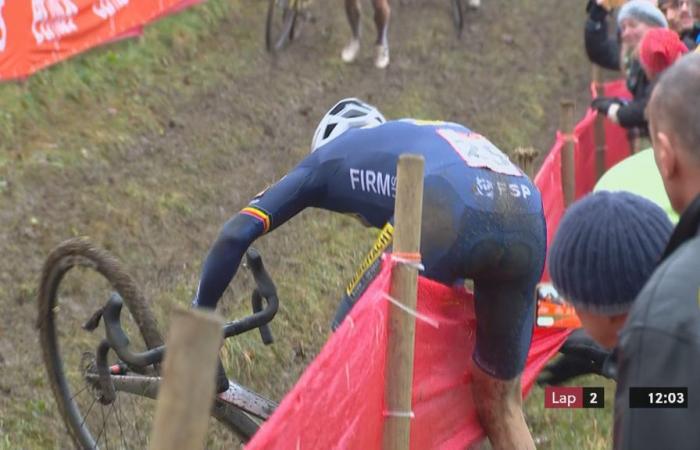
(606, 53)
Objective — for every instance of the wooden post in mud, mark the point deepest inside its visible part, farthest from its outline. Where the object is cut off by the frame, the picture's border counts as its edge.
(599, 126)
(568, 172)
(404, 285)
(187, 390)
(525, 159)
(636, 143)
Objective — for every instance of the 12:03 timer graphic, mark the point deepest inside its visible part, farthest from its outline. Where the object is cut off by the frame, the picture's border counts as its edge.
(658, 397)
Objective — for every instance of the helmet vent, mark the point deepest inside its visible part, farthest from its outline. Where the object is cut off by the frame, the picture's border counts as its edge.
(339, 107)
(353, 113)
(329, 130)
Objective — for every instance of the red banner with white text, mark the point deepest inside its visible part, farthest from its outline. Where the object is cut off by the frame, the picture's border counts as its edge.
(37, 33)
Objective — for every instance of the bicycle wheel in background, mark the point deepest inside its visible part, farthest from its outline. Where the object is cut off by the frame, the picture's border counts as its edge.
(458, 16)
(67, 300)
(281, 15)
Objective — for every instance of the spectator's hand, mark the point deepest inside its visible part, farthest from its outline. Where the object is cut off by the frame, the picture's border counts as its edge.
(596, 10)
(607, 106)
(566, 368)
(580, 356)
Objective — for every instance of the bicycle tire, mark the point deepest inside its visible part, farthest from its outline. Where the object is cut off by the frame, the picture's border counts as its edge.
(458, 16)
(278, 35)
(81, 253)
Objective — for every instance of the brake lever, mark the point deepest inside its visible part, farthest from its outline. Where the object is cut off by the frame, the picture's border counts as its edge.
(120, 342)
(265, 288)
(265, 332)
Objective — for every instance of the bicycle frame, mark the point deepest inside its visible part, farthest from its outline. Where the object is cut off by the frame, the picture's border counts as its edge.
(229, 404)
(237, 396)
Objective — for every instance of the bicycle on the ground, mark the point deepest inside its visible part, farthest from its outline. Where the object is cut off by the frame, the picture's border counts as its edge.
(104, 388)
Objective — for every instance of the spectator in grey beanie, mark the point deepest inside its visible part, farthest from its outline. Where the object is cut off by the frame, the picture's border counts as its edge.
(634, 19)
(606, 247)
(641, 11)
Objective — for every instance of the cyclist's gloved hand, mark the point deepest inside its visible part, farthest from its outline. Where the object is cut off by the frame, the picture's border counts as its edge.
(596, 12)
(581, 355)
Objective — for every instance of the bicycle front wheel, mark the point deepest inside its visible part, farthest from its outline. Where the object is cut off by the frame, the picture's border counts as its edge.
(66, 303)
(281, 15)
(77, 279)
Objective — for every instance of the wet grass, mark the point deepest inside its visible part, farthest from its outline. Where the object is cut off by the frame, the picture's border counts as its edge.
(148, 146)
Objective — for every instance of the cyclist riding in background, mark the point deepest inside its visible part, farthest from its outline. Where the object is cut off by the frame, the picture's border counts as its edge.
(482, 220)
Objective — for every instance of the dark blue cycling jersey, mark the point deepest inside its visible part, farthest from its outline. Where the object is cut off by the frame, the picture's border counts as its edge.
(482, 220)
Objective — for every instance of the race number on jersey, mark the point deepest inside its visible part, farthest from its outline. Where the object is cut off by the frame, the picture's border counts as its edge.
(477, 151)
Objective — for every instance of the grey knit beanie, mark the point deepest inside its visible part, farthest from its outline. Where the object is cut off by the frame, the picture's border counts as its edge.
(606, 247)
(644, 11)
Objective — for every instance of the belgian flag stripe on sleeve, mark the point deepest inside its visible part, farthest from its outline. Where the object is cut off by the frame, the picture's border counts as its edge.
(259, 214)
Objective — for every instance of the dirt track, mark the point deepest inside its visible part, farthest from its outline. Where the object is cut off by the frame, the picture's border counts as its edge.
(158, 201)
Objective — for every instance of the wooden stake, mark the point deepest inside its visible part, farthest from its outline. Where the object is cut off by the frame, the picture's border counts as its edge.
(525, 159)
(404, 284)
(187, 390)
(599, 127)
(568, 175)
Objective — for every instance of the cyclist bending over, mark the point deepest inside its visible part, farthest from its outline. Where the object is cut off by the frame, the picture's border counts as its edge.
(482, 220)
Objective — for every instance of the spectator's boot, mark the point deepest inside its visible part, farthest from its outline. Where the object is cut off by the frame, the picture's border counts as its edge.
(350, 51)
(381, 59)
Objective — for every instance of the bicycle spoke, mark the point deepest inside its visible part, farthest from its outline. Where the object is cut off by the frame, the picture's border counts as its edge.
(119, 422)
(88, 412)
(79, 392)
(99, 435)
(137, 422)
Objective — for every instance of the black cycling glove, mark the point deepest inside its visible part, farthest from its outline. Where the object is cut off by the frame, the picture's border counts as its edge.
(581, 355)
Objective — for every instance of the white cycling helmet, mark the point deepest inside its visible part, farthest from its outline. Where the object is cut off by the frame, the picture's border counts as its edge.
(347, 113)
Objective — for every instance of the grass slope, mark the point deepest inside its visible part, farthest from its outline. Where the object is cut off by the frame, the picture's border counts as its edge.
(149, 145)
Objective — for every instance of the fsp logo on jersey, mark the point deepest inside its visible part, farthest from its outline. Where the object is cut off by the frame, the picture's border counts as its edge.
(487, 188)
(373, 181)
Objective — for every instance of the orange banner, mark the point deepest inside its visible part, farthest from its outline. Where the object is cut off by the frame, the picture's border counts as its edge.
(37, 33)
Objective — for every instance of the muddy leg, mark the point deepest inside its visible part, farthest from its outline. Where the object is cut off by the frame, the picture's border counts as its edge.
(381, 21)
(352, 10)
(382, 12)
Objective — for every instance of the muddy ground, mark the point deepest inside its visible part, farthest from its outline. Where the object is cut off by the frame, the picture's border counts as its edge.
(157, 198)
